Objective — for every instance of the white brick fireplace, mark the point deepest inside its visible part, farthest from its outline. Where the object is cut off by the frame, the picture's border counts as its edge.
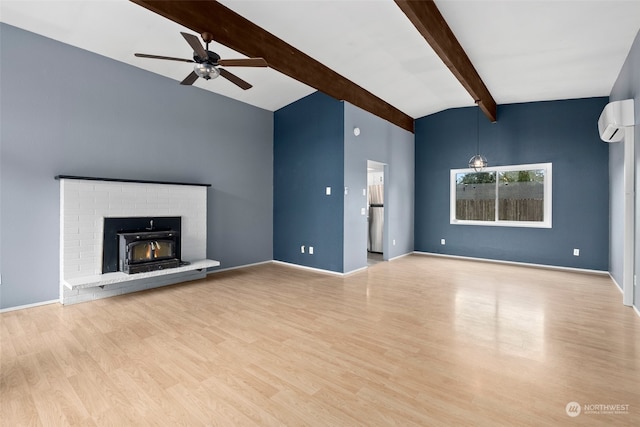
(85, 202)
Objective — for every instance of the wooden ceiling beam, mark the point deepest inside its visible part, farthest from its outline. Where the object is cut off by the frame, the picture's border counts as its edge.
(245, 37)
(428, 20)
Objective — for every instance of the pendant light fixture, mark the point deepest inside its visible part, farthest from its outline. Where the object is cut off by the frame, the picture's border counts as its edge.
(478, 162)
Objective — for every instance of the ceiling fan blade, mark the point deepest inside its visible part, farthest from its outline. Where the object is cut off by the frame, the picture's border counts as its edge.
(170, 58)
(235, 79)
(195, 44)
(190, 79)
(248, 62)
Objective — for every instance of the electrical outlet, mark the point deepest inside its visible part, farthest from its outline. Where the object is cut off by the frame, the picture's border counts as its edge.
(310, 250)
(442, 241)
(327, 191)
(302, 249)
(394, 242)
(576, 252)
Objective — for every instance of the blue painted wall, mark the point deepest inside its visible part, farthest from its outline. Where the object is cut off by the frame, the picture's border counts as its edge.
(562, 132)
(386, 143)
(308, 156)
(84, 114)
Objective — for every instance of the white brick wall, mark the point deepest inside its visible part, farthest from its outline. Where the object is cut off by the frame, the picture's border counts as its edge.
(85, 203)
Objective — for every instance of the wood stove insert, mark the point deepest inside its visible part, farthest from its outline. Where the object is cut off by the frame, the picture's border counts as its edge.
(141, 244)
(142, 251)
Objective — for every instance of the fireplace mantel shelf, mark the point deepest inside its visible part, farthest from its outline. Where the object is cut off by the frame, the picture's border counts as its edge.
(139, 181)
(119, 277)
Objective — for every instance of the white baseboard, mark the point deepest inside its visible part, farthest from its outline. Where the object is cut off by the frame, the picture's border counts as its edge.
(239, 266)
(318, 270)
(35, 304)
(523, 264)
(400, 256)
(357, 270)
(622, 292)
(304, 267)
(616, 283)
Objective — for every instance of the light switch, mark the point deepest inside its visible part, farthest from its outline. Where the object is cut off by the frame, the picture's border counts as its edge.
(364, 191)
(363, 211)
(327, 191)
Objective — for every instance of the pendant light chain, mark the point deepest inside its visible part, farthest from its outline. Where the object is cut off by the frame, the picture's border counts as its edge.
(478, 162)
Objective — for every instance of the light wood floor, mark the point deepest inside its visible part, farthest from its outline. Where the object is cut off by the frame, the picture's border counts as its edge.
(417, 341)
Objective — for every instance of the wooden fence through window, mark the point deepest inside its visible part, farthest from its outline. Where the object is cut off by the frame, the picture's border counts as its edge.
(509, 210)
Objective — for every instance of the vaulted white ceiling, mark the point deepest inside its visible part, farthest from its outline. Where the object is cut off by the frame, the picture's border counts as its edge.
(523, 50)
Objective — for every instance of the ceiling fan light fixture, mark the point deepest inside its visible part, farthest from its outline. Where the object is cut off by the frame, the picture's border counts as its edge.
(206, 71)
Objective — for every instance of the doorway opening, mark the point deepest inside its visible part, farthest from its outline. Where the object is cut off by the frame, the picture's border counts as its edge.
(375, 212)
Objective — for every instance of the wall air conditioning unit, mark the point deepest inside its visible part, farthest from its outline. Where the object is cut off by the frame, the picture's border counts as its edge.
(615, 116)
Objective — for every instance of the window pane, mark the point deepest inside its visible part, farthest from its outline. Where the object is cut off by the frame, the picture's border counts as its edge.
(476, 196)
(521, 195)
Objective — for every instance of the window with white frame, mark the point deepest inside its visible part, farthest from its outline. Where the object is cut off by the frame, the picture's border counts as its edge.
(512, 196)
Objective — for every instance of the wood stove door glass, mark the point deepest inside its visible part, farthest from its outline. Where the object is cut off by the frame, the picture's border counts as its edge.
(150, 250)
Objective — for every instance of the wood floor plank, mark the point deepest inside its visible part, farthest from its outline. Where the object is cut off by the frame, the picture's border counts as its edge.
(256, 406)
(416, 341)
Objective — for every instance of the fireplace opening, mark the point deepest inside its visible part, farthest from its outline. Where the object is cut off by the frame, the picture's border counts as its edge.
(141, 244)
